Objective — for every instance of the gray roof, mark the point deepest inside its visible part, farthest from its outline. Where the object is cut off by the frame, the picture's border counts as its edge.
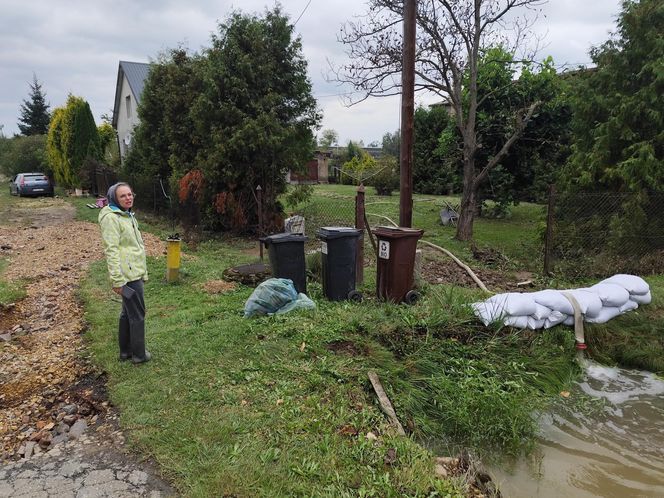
(136, 73)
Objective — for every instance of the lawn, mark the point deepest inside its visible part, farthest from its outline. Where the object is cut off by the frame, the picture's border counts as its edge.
(516, 236)
(281, 405)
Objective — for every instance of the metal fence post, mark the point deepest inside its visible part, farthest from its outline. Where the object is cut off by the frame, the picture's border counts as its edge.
(359, 223)
(259, 199)
(550, 220)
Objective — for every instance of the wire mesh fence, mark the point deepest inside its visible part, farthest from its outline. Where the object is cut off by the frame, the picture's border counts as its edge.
(601, 233)
(328, 208)
(153, 194)
(325, 209)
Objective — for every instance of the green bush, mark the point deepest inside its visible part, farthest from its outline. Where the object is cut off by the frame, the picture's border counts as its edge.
(357, 169)
(298, 194)
(386, 177)
(23, 154)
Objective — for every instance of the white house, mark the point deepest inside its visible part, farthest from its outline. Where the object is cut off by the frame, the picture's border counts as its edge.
(128, 90)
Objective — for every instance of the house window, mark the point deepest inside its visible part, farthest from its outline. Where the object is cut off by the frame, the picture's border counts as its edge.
(128, 104)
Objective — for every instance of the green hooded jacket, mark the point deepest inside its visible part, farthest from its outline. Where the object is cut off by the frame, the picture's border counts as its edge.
(123, 246)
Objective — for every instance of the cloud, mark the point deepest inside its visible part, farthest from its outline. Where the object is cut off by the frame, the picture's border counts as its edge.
(75, 46)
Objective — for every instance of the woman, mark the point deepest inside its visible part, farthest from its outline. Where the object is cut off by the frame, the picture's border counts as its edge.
(125, 257)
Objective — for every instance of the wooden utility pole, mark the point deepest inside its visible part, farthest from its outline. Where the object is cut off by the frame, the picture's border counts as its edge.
(359, 223)
(259, 200)
(407, 111)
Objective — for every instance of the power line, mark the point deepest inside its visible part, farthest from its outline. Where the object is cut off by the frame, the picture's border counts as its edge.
(303, 11)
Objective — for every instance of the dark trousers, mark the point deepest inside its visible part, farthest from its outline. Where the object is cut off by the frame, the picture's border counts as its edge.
(131, 330)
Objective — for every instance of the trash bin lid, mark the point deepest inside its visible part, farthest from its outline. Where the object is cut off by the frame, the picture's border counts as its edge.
(337, 232)
(278, 238)
(397, 232)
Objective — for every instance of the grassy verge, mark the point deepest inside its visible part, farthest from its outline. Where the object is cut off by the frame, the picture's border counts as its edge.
(10, 292)
(281, 406)
(636, 339)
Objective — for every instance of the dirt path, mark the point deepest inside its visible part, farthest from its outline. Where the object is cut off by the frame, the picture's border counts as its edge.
(50, 395)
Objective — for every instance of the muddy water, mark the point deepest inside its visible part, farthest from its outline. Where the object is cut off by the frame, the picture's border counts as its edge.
(606, 439)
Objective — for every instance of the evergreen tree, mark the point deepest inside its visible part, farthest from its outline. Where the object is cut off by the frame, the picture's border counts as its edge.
(392, 143)
(35, 118)
(219, 123)
(73, 143)
(619, 111)
(435, 168)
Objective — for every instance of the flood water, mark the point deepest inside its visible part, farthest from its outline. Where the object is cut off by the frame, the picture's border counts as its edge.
(606, 439)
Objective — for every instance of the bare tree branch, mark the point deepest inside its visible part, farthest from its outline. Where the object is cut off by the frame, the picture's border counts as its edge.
(521, 123)
(451, 39)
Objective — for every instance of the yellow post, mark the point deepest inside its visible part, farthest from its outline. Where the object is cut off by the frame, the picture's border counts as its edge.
(172, 259)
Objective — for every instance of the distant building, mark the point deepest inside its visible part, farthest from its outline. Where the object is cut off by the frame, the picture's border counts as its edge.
(128, 91)
(374, 152)
(445, 104)
(317, 170)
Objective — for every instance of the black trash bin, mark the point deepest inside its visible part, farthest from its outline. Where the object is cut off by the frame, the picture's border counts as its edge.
(339, 253)
(286, 253)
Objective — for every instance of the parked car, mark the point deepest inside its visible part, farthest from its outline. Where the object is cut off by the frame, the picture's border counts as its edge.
(35, 184)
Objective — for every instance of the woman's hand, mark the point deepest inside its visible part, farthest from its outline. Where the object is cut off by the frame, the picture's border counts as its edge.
(117, 290)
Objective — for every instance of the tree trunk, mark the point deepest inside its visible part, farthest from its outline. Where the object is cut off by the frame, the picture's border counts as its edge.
(467, 211)
(467, 214)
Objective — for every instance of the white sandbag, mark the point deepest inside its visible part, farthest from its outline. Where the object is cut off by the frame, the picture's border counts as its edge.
(629, 306)
(641, 298)
(548, 308)
(610, 294)
(606, 314)
(633, 284)
(514, 303)
(555, 318)
(554, 300)
(541, 313)
(589, 302)
(488, 312)
(519, 322)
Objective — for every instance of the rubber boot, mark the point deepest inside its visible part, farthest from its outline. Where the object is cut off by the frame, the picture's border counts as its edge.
(138, 352)
(123, 337)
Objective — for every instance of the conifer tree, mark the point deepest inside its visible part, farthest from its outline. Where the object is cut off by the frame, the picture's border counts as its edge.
(35, 118)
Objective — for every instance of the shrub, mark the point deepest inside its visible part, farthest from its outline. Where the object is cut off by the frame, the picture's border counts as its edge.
(298, 194)
(386, 178)
(356, 170)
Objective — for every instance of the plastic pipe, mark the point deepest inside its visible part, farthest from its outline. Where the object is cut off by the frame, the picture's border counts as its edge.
(578, 322)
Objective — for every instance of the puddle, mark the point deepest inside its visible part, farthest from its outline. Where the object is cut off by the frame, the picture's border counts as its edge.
(611, 444)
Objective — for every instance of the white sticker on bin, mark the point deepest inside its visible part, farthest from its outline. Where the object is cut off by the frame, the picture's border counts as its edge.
(384, 249)
(323, 247)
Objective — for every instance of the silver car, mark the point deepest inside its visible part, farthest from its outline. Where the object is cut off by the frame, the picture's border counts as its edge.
(25, 184)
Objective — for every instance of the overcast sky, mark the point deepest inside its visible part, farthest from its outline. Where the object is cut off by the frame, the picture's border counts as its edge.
(74, 46)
